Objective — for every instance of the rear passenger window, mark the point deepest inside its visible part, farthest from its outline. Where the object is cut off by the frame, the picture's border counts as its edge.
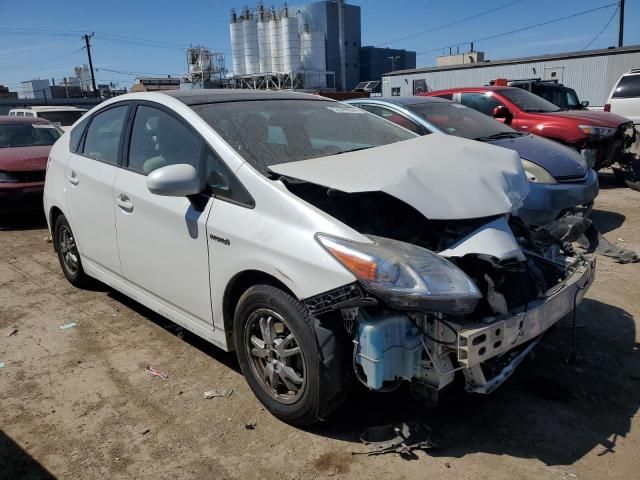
(628, 87)
(76, 135)
(103, 135)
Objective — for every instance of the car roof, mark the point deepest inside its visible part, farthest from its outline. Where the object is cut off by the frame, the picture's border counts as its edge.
(473, 89)
(48, 108)
(204, 96)
(402, 101)
(8, 119)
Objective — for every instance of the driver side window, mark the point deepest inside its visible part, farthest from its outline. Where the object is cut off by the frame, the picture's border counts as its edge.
(482, 102)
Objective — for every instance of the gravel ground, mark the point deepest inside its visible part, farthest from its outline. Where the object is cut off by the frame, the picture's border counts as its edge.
(77, 403)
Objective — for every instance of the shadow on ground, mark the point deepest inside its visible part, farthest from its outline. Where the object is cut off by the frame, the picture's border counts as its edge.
(17, 463)
(605, 221)
(27, 220)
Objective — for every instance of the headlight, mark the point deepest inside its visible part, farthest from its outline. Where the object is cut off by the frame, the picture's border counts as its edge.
(6, 177)
(404, 275)
(597, 132)
(537, 174)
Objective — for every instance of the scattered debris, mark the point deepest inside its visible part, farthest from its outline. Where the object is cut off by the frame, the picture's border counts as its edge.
(179, 393)
(48, 239)
(145, 431)
(333, 472)
(68, 325)
(13, 331)
(1, 364)
(250, 426)
(576, 228)
(155, 372)
(221, 392)
(403, 439)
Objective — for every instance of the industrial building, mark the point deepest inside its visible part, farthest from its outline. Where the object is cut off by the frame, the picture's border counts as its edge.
(35, 89)
(308, 46)
(592, 73)
(375, 61)
(205, 69)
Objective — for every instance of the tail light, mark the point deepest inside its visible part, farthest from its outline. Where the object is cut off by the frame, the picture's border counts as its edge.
(607, 107)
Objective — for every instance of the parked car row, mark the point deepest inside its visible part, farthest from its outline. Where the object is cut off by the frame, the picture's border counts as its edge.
(323, 244)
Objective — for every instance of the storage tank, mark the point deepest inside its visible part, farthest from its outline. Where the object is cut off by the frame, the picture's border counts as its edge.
(290, 42)
(275, 41)
(312, 50)
(251, 50)
(237, 44)
(264, 40)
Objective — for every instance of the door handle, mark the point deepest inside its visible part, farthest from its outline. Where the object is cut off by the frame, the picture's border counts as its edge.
(73, 179)
(124, 203)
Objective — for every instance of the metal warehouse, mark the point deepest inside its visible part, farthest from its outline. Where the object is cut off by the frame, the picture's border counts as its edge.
(591, 73)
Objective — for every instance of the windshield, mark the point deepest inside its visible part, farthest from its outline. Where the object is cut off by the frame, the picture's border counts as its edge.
(527, 101)
(28, 134)
(565, 98)
(270, 132)
(62, 118)
(461, 121)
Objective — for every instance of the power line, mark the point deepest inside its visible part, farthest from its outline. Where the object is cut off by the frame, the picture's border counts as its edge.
(518, 30)
(601, 31)
(446, 25)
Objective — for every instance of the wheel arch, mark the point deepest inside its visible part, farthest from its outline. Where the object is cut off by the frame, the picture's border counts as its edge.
(54, 213)
(239, 284)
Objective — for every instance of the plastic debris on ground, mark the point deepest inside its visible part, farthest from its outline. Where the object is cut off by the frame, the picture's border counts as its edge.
(579, 229)
(220, 392)
(11, 332)
(250, 426)
(403, 439)
(1, 364)
(156, 373)
(68, 325)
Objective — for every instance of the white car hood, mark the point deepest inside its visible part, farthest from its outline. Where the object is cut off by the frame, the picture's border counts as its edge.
(441, 176)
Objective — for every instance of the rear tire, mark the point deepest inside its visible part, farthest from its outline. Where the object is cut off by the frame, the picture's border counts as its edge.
(68, 255)
(280, 356)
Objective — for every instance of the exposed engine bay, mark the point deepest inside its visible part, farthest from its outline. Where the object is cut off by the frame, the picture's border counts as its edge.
(526, 283)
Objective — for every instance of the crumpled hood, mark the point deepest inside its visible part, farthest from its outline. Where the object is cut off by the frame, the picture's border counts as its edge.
(442, 177)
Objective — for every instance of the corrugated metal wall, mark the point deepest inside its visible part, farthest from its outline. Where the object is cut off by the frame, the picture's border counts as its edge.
(591, 77)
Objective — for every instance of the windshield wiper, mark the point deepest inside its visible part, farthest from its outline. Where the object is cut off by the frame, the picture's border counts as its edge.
(352, 150)
(497, 136)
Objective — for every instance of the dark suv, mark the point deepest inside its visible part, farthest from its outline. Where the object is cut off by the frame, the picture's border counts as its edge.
(551, 90)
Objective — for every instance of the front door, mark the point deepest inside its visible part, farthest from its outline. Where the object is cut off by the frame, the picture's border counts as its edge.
(162, 241)
(90, 174)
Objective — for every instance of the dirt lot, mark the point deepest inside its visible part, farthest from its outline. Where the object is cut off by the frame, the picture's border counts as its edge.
(77, 403)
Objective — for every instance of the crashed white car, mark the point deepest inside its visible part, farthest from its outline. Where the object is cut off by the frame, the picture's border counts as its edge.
(322, 243)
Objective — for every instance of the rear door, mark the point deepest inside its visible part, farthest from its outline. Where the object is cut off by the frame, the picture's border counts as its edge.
(625, 99)
(162, 241)
(89, 177)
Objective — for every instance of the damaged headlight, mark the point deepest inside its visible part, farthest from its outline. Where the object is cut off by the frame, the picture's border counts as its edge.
(537, 174)
(404, 275)
(597, 132)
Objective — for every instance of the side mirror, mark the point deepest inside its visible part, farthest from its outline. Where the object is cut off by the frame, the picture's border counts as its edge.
(584, 103)
(501, 112)
(180, 180)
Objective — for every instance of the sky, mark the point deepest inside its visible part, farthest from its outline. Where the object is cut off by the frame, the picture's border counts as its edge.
(42, 38)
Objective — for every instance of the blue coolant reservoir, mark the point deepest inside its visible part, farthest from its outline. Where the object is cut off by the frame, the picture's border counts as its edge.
(389, 347)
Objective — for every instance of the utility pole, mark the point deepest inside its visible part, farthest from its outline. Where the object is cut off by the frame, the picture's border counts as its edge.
(621, 23)
(93, 78)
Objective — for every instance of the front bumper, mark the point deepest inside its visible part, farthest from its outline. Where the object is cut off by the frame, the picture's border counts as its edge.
(504, 335)
(16, 197)
(546, 202)
(604, 152)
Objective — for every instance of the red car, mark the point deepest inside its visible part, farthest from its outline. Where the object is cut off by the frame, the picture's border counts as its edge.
(600, 136)
(24, 148)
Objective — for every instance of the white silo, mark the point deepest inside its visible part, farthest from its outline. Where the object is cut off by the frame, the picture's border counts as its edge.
(237, 44)
(314, 58)
(264, 40)
(251, 50)
(290, 42)
(275, 41)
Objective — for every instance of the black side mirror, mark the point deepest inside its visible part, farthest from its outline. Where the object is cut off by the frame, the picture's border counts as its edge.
(584, 103)
(501, 112)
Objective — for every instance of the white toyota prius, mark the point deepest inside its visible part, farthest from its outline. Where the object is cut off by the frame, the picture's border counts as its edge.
(322, 243)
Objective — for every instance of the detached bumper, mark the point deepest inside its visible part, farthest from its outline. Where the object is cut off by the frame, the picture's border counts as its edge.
(545, 202)
(479, 345)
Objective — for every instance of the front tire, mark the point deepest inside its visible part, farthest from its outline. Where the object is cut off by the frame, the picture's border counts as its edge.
(68, 255)
(280, 356)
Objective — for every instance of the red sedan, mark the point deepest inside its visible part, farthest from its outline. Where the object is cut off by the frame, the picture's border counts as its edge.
(24, 148)
(601, 137)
